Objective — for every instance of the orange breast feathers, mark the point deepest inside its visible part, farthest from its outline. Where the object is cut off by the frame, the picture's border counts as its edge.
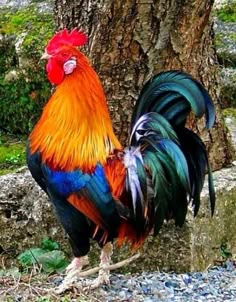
(75, 130)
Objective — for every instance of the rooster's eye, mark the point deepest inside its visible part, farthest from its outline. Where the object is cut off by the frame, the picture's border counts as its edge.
(64, 55)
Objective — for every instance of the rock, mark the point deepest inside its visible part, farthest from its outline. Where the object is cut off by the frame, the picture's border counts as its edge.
(11, 76)
(208, 234)
(26, 217)
(225, 42)
(230, 122)
(222, 3)
(14, 3)
(25, 214)
(19, 4)
(228, 90)
(23, 61)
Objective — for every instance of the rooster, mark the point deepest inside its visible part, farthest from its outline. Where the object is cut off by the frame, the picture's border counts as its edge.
(99, 189)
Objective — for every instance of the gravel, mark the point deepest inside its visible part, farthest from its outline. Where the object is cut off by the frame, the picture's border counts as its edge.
(217, 284)
(213, 285)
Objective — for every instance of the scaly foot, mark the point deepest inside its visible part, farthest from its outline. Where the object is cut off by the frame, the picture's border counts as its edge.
(72, 273)
(104, 272)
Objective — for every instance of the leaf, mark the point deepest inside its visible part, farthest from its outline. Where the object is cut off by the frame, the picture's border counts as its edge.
(54, 261)
(30, 257)
(50, 261)
(49, 245)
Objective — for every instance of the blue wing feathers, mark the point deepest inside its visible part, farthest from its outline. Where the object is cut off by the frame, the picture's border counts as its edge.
(92, 186)
(65, 183)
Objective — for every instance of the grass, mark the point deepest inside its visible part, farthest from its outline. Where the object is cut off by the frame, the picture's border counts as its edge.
(12, 153)
(229, 112)
(227, 13)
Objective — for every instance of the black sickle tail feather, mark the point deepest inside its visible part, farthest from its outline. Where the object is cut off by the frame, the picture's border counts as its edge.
(196, 155)
(173, 94)
(164, 157)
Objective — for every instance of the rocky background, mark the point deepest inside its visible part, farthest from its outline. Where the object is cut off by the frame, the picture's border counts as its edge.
(26, 217)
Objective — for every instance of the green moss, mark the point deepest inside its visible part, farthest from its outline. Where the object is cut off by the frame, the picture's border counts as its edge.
(224, 43)
(232, 36)
(28, 20)
(210, 235)
(22, 98)
(219, 40)
(227, 13)
(229, 112)
(12, 155)
(228, 95)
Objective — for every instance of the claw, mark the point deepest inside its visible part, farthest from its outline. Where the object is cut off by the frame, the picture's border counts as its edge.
(104, 271)
(75, 272)
(77, 264)
(72, 273)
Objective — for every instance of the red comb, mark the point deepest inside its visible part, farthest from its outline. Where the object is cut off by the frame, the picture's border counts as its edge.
(63, 37)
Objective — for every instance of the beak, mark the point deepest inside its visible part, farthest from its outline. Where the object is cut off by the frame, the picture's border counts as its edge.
(45, 56)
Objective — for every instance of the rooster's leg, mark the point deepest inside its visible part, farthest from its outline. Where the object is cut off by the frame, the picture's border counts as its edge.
(76, 265)
(72, 272)
(104, 271)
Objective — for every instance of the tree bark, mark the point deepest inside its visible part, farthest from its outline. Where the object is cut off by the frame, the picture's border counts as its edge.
(131, 40)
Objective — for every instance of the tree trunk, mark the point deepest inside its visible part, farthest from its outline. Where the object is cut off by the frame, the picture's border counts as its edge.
(131, 40)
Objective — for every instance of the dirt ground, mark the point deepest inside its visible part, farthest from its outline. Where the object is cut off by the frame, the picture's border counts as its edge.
(41, 288)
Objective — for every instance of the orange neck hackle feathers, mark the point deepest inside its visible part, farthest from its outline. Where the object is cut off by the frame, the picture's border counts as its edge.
(75, 130)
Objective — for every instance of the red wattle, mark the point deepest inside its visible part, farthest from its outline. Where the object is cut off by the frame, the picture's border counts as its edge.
(55, 72)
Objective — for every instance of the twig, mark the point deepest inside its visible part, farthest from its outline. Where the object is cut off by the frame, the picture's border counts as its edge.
(36, 260)
(15, 287)
(109, 267)
(207, 268)
(3, 262)
(70, 278)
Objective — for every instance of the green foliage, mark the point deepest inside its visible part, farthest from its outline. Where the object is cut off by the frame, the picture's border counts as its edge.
(30, 257)
(23, 95)
(229, 112)
(227, 13)
(26, 19)
(48, 257)
(21, 101)
(50, 245)
(43, 299)
(53, 261)
(12, 154)
(225, 252)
